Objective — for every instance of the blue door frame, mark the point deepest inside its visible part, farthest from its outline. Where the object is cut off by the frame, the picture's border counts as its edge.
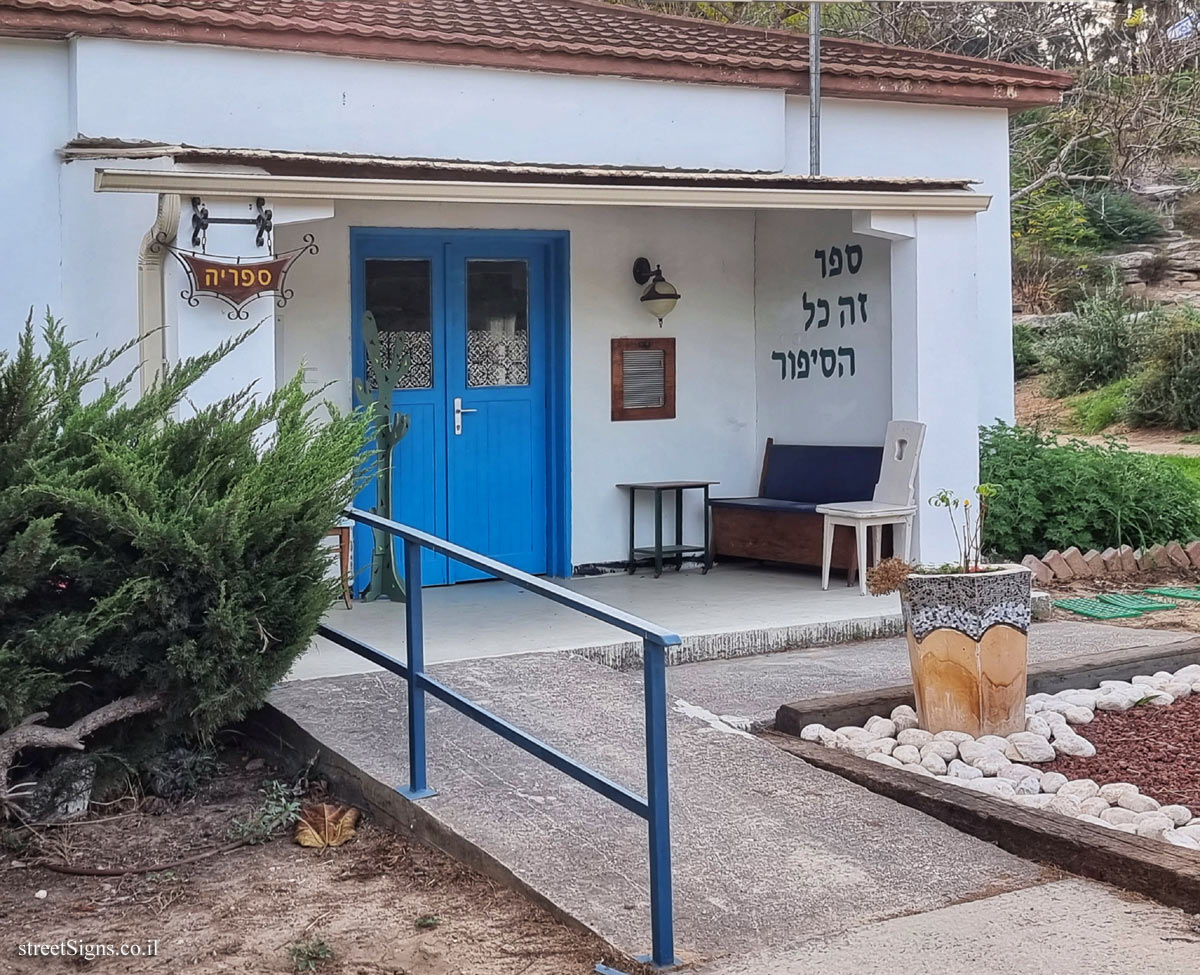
(424, 457)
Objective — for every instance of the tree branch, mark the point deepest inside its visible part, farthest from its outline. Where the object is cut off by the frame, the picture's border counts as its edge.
(31, 733)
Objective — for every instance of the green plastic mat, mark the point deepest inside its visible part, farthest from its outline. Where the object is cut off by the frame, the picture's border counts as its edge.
(1176, 592)
(1095, 609)
(1133, 602)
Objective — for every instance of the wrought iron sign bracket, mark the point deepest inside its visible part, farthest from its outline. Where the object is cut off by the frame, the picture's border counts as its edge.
(263, 220)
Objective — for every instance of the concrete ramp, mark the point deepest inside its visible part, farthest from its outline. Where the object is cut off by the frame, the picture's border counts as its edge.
(769, 852)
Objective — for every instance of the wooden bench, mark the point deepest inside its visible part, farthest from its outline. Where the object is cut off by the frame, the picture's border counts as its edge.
(781, 524)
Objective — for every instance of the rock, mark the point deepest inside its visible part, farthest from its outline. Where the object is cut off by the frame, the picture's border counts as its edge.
(1192, 830)
(1094, 806)
(914, 736)
(934, 762)
(1027, 787)
(1080, 699)
(882, 759)
(1000, 788)
(1042, 574)
(1117, 815)
(1159, 700)
(1038, 726)
(971, 750)
(990, 763)
(1115, 699)
(1114, 790)
(1079, 567)
(872, 746)
(812, 732)
(1064, 805)
(1058, 565)
(917, 770)
(905, 718)
(1147, 680)
(1158, 557)
(881, 727)
(908, 754)
(1137, 803)
(1128, 560)
(954, 737)
(1028, 746)
(1073, 745)
(1179, 815)
(993, 741)
(961, 770)
(1077, 715)
(1015, 773)
(1193, 552)
(1112, 562)
(1038, 801)
(64, 791)
(1177, 689)
(1189, 673)
(1054, 719)
(943, 749)
(831, 739)
(1174, 837)
(1053, 781)
(1095, 563)
(854, 732)
(41, 895)
(1080, 789)
(1153, 826)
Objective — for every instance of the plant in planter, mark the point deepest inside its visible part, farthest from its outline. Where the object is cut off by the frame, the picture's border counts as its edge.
(967, 625)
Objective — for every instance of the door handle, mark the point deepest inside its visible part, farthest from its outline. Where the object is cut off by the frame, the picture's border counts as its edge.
(458, 415)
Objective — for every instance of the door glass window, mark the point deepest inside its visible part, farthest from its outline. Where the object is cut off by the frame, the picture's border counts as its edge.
(497, 323)
(400, 296)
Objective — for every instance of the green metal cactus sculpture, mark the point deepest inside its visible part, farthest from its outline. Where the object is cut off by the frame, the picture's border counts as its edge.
(390, 428)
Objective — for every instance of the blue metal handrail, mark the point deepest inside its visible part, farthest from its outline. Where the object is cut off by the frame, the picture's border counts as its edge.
(655, 640)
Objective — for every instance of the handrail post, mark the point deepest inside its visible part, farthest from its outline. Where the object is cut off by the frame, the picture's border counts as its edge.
(414, 643)
(662, 925)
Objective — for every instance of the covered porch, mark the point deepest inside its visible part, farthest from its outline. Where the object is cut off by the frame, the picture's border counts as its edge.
(814, 310)
(735, 610)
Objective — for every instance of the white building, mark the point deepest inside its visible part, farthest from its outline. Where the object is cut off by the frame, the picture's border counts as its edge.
(483, 175)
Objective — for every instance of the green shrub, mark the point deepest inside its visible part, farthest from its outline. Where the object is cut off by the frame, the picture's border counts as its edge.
(1167, 393)
(1057, 221)
(1118, 217)
(1101, 408)
(1043, 282)
(1052, 495)
(1026, 351)
(1100, 345)
(1189, 465)
(148, 556)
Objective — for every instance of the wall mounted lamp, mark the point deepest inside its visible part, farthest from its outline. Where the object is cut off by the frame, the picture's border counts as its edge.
(659, 297)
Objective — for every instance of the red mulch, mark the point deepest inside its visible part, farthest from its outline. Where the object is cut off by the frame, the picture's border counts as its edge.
(1155, 748)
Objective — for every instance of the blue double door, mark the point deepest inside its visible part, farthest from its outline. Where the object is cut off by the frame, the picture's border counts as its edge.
(469, 313)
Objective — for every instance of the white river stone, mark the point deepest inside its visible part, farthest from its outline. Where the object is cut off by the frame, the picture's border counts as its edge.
(908, 754)
(1080, 789)
(961, 770)
(881, 727)
(1114, 790)
(1028, 746)
(1179, 815)
(1053, 781)
(1094, 806)
(914, 736)
(1116, 815)
(945, 750)
(882, 759)
(1137, 803)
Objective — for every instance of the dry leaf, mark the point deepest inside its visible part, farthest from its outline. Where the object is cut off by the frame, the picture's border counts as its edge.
(326, 825)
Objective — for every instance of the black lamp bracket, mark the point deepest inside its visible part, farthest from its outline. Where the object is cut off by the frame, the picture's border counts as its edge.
(643, 272)
(263, 220)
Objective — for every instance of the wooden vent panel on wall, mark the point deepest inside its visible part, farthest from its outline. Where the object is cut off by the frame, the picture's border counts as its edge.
(643, 379)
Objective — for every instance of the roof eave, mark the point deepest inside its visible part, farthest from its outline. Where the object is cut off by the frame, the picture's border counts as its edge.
(53, 24)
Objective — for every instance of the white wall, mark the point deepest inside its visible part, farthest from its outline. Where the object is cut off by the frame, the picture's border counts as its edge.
(241, 98)
(865, 138)
(33, 124)
(841, 408)
(708, 255)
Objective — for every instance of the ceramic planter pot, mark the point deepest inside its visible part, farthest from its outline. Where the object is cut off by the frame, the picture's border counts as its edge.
(968, 647)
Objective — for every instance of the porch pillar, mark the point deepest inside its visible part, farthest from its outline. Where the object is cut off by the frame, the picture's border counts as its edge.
(935, 332)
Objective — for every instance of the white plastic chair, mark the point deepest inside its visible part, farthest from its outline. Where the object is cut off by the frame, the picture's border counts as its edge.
(892, 504)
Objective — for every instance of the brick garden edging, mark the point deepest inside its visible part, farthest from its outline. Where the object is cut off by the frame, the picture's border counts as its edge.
(1069, 564)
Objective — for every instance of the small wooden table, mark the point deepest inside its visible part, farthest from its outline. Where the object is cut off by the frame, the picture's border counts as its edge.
(680, 548)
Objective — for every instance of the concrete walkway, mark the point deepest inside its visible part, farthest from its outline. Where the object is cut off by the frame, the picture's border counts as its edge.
(775, 861)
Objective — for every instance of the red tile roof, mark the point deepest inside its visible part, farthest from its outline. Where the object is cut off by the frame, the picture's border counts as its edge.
(569, 36)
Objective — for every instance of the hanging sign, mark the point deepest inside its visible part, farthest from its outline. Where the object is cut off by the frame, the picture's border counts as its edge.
(238, 282)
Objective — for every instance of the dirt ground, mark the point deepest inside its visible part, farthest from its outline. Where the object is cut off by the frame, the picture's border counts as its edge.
(1185, 616)
(243, 911)
(1034, 407)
